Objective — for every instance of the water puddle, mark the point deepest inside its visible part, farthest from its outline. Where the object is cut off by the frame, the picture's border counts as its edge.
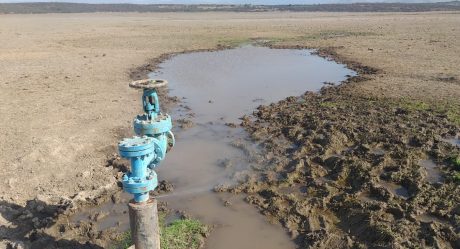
(217, 88)
(433, 171)
(366, 197)
(427, 218)
(108, 215)
(453, 140)
(395, 189)
(378, 151)
(227, 84)
(297, 190)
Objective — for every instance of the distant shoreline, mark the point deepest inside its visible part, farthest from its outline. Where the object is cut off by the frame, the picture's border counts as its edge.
(38, 8)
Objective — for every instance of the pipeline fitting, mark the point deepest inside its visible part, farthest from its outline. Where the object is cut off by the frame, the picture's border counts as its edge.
(146, 150)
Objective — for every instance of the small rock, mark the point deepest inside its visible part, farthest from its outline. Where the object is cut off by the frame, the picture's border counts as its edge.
(115, 198)
(25, 215)
(231, 125)
(294, 234)
(62, 229)
(100, 215)
(225, 163)
(36, 222)
(86, 174)
(185, 123)
(221, 188)
(166, 186)
(11, 182)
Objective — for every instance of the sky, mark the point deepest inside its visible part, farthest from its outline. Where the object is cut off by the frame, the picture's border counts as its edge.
(221, 1)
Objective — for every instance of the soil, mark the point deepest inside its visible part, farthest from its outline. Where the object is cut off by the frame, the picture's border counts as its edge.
(331, 149)
(63, 107)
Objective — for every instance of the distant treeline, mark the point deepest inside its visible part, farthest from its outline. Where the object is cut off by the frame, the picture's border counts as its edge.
(35, 8)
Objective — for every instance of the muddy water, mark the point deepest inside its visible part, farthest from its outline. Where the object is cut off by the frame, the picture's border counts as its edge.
(454, 141)
(230, 83)
(395, 189)
(108, 215)
(432, 170)
(427, 218)
(216, 89)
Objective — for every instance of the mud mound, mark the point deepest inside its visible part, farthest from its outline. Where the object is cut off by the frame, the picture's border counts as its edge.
(344, 172)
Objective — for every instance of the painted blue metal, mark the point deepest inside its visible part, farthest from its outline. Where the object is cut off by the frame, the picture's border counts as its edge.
(149, 148)
(140, 150)
(143, 125)
(151, 103)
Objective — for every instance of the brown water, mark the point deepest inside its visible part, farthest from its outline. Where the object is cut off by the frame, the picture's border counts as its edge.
(427, 218)
(108, 215)
(366, 197)
(237, 81)
(395, 189)
(454, 140)
(218, 88)
(433, 172)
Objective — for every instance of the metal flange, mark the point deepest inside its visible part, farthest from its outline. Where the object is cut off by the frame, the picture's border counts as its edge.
(144, 126)
(133, 185)
(136, 146)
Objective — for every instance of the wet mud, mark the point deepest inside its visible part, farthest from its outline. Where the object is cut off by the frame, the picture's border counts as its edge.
(41, 225)
(82, 222)
(361, 172)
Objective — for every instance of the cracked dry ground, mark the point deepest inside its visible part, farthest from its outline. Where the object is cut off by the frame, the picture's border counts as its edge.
(343, 171)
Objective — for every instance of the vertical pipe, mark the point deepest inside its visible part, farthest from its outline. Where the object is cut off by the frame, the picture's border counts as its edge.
(141, 197)
(143, 218)
(138, 170)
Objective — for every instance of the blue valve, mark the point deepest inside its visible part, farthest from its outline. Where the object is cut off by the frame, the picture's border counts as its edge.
(146, 150)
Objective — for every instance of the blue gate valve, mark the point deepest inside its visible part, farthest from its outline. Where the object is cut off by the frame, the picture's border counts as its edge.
(146, 150)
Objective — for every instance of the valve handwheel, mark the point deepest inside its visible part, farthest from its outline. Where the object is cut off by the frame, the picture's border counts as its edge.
(148, 84)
